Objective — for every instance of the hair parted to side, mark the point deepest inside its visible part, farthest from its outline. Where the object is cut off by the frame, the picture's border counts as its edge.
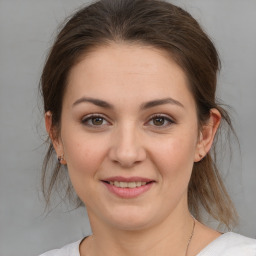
(161, 25)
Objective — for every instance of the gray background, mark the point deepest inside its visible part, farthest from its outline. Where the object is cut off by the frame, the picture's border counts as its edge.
(27, 28)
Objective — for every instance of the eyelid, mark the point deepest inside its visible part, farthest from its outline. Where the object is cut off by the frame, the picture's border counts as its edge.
(90, 116)
(95, 115)
(166, 117)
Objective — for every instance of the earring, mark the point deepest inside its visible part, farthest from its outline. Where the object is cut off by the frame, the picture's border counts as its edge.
(60, 159)
(201, 156)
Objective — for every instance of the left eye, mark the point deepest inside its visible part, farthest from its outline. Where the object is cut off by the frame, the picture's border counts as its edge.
(160, 121)
(94, 121)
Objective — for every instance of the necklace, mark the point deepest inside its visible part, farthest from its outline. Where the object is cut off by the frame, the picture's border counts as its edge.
(191, 236)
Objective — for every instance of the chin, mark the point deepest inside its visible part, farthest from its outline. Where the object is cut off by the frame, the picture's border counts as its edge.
(132, 225)
(132, 219)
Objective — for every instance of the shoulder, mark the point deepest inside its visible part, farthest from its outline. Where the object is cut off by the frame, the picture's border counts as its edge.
(230, 244)
(68, 250)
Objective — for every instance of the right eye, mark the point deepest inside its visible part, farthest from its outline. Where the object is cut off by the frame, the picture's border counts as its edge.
(94, 120)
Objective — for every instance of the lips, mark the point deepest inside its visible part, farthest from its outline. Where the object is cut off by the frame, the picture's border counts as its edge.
(128, 187)
(132, 184)
(127, 179)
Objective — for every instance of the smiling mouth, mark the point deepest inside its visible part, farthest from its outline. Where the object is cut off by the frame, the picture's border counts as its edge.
(134, 184)
(128, 187)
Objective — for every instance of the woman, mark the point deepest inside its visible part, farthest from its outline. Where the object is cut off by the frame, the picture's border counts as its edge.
(129, 99)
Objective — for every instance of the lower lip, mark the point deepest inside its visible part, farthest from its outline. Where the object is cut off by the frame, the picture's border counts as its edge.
(128, 192)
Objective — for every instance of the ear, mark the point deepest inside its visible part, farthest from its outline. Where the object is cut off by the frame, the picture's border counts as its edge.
(207, 134)
(56, 141)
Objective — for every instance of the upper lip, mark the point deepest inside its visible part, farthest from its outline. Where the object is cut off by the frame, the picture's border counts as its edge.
(127, 179)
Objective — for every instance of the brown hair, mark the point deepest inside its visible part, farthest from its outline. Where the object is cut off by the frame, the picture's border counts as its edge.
(161, 25)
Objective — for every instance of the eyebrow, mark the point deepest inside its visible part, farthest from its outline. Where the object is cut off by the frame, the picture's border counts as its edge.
(158, 102)
(97, 102)
(146, 105)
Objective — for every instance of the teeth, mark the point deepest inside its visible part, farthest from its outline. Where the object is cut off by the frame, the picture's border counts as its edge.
(132, 184)
(127, 184)
(123, 185)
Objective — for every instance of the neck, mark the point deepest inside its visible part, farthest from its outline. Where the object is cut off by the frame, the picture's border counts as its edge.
(167, 238)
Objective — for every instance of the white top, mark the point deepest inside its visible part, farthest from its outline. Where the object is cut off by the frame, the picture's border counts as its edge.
(228, 244)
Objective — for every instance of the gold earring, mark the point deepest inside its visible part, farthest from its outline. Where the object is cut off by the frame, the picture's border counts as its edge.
(60, 159)
(201, 156)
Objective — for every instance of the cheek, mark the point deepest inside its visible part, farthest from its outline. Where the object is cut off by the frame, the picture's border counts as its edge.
(84, 157)
(84, 154)
(175, 157)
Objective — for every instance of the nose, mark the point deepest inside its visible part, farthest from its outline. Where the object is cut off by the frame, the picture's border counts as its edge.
(127, 148)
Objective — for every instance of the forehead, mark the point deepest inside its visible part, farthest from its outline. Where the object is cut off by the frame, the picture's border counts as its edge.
(133, 70)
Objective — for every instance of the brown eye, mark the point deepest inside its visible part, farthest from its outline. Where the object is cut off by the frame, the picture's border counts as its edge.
(94, 121)
(97, 120)
(159, 121)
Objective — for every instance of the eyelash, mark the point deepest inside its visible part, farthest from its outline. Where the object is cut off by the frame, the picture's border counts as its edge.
(168, 119)
(88, 118)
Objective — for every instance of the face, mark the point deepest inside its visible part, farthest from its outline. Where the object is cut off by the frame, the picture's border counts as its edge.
(129, 135)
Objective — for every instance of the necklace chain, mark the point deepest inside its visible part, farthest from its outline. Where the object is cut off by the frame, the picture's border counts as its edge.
(191, 236)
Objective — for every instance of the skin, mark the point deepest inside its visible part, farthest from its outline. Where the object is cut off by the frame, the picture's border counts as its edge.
(127, 142)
